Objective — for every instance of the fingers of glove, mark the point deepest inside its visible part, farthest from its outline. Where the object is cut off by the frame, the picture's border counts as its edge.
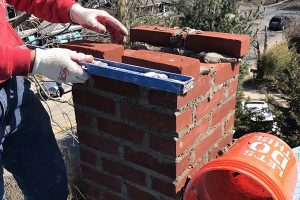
(119, 39)
(109, 21)
(62, 53)
(115, 36)
(84, 76)
(84, 17)
(76, 72)
(112, 38)
(61, 50)
(96, 26)
(80, 57)
(67, 71)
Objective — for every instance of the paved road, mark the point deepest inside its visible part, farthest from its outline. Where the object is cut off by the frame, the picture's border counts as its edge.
(273, 37)
(277, 36)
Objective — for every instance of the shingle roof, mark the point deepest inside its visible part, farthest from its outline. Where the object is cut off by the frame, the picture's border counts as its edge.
(150, 2)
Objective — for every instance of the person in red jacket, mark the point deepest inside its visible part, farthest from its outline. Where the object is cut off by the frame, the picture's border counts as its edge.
(27, 144)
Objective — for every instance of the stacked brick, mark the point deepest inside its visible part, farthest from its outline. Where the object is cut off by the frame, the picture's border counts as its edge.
(138, 143)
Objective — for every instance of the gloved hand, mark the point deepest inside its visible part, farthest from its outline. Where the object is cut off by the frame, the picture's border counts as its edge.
(60, 65)
(99, 21)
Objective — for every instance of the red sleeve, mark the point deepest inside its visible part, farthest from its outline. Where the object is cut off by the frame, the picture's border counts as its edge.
(50, 10)
(14, 61)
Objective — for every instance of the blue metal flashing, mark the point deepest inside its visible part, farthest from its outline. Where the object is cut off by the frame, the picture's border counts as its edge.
(170, 82)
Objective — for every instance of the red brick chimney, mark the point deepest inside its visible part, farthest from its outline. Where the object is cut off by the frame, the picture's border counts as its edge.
(142, 144)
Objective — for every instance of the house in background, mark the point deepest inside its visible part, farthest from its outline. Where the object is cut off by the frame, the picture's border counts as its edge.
(164, 7)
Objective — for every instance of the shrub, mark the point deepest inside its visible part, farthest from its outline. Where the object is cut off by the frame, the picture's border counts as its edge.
(277, 58)
(287, 110)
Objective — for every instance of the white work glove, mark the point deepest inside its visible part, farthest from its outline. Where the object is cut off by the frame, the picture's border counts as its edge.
(99, 21)
(60, 65)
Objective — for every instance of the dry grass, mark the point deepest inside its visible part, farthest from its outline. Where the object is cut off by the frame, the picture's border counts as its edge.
(70, 151)
(12, 190)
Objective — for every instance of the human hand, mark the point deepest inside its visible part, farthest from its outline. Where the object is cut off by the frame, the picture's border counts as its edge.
(99, 21)
(60, 65)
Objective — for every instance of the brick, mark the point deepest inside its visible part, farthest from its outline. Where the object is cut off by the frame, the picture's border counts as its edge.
(157, 36)
(225, 71)
(164, 61)
(107, 195)
(232, 88)
(225, 43)
(164, 187)
(97, 102)
(229, 124)
(135, 193)
(162, 145)
(190, 138)
(166, 99)
(148, 161)
(126, 172)
(98, 142)
(225, 141)
(106, 51)
(128, 51)
(223, 111)
(83, 118)
(206, 144)
(182, 165)
(88, 156)
(100, 178)
(91, 190)
(80, 85)
(153, 119)
(173, 101)
(207, 66)
(117, 87)
(213, 154)
(120, 130)
(208, 105)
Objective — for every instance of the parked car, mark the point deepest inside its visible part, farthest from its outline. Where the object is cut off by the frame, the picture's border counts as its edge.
(261, 108)
(279, 23)
(261, 117)
(260, 114)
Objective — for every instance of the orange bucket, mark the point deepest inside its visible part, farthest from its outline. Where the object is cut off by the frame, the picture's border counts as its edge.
(258, 166)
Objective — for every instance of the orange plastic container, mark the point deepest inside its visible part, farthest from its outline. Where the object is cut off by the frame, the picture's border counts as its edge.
(258, 166)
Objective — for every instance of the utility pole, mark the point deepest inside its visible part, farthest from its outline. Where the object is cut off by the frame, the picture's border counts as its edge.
(265, 39)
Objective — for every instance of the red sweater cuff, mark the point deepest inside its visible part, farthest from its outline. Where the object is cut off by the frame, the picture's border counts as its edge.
(21, 62)
(65, 16)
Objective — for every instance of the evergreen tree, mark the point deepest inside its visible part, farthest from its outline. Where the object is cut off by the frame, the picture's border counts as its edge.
(218, 15)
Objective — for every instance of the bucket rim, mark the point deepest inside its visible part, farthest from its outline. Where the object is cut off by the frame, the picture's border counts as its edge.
(244, 168)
